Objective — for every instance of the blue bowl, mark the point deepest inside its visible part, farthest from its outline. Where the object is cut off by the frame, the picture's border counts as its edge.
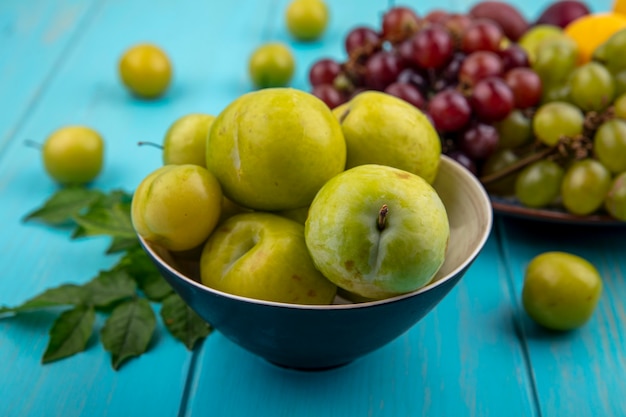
(327, 336)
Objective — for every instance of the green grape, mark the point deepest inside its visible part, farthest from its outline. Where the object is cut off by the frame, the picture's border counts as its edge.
(555, 92)
(515, 130)
(539, 184)
(615, 201)
(619, 80)
(619, 107)
(555, 59)
(584, 186)
(591, 87)
(556, 119)
(609, 145)
(611, 52)
(499, 160)
(536, 35)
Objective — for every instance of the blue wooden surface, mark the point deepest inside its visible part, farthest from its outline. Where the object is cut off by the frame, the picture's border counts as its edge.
(476, 354)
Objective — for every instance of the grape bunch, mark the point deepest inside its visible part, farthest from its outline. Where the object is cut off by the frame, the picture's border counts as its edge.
(510, 99)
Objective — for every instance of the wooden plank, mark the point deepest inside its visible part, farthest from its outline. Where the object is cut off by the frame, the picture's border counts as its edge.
(34, 36)
(581, 372)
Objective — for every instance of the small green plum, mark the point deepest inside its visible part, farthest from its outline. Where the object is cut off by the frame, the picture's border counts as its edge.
(73, 154)
(145, 70)
(271, 65)
(561, 290)
(307, 19)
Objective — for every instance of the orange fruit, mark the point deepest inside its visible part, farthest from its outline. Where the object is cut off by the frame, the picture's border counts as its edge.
(619, 6)
(593, 30)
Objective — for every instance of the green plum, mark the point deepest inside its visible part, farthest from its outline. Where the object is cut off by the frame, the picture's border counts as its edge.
(306, 19)
(177, 206)
(385, 130)
(271, 65)
(145, 70)
(273, 149)
(185, 140)
(263, 256)
(377, 231)
(561, 290)
(73, 155)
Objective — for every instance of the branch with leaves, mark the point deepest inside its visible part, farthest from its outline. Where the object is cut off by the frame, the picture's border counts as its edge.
(125, 294)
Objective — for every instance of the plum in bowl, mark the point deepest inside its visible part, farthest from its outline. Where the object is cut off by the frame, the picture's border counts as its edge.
(315, 337)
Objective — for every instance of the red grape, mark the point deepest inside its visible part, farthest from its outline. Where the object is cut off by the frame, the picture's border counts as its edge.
(408, 93)
(324, 71)
(361, 37)
(329, 95)
(513, 56)
(464, 160)
(510, 19)
(381, 69)
(491, 99)
(525, 85)
(457, 24)
(437, 16)
(415, 78)
(562, 12)
(482, 35)
(432, 47)
(479, 141)
(449, 111)
(399, 23)
(479, 65)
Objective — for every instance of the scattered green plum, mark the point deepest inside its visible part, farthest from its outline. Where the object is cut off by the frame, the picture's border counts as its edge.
(185, 140)
(73, 155)
(145, 70)
(271, 65)
(561, 290)
(307, 19)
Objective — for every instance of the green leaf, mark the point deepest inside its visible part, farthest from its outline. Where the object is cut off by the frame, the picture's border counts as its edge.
(128, 330)
(64, 205)
(182, 322)
(64, 295)
(69, 333)
(139, 266)
(110, 287)
(122, 244)
(112, 221)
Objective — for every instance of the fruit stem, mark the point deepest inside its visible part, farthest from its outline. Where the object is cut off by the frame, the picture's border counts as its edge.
(156, 145)
(382, 217)
(495, 176)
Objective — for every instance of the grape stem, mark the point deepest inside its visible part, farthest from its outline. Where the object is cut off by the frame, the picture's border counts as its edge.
(382, 217)
(518, 165)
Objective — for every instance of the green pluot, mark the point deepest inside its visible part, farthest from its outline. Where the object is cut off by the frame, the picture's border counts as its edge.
(377, 231)
(273, 149)
(263, 256)
(185, 140)
(385, 130)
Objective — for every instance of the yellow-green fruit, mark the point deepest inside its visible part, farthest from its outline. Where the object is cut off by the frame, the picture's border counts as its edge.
(185, 140)
(561, 290)
(73, 155)
(146, 70)
(273, 149)
(271, 65)
(306, 19)
(385, 130)
(263, 256)
(177, 206)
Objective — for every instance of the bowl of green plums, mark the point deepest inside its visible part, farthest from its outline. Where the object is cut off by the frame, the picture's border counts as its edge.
(313, 257)
(346, 326)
